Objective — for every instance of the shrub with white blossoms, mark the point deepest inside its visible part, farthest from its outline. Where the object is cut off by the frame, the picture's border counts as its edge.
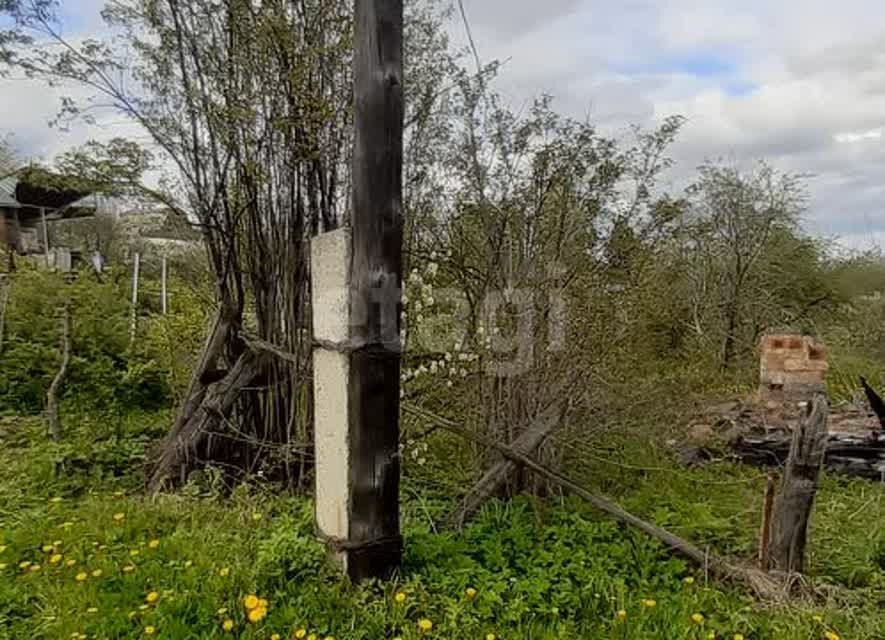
(457, 363)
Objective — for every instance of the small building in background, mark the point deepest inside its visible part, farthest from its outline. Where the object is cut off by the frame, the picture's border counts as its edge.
(31, 199)
(793, 368)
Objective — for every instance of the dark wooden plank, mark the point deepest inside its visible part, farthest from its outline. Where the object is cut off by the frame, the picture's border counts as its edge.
(374, 544)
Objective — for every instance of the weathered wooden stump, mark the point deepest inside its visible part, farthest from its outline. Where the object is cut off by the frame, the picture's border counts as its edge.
(794, 504)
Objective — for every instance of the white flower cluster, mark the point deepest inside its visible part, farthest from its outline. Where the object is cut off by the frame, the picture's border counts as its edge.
(419, 300)
(417, 451)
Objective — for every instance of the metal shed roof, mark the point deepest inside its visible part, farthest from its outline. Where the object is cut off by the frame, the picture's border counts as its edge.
(7, 192)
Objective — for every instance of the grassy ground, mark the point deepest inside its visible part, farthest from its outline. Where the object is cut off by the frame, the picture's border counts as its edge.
(85, 555)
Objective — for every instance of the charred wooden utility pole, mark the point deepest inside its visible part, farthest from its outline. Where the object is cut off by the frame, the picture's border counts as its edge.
(375, 289)
(356, 284)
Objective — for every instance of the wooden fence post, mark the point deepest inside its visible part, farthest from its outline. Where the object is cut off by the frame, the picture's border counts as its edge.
(163, 286)
(5, 284)
(45, 236)
(133, 314)
(765, 529)
(796, 499)
(52, 419)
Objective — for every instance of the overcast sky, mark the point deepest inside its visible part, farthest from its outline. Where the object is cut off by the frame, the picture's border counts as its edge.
(800, 83)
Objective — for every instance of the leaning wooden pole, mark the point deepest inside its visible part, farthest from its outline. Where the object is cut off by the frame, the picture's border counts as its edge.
(374, 545)
(764, 585)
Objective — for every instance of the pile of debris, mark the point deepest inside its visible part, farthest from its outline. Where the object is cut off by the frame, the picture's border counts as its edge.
(758, 430)
(757, 434)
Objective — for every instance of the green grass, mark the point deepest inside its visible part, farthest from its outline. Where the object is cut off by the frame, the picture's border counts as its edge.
(541, 569)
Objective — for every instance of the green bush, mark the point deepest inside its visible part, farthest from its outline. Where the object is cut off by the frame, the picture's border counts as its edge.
(104, 374)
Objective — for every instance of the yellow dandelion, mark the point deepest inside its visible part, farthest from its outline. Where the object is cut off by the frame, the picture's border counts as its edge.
(312, 637)
(128, 568)
(425, 625)
(301, 633)
(70, 562)
(97, 573)
(47, 548)
(134, 552)
(621, 614)
(55, 558)
(152, 597)
(688, 580)
(257, 516)
(56, 543)
(262, 604)
(470, 593)
(92, 610)
(251, 602)
(738, 636)
(648, 603)
(832, 635)
(221, 611)
(188, 563)
(81, 577)
(224, 572)
(35, 567)
(490, 636)
(711, 635)
(329, 638)
(400, 597)
(257, 614)
(153, 544)
(149, 630)
(119, 517)
(697, 618)
(3, 565)
(227, 625)
(275, 636)
(24, 565)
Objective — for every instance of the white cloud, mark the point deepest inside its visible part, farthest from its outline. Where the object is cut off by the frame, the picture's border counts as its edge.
(799, 82)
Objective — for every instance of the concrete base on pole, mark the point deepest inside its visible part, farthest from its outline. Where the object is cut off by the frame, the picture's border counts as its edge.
(330, 283)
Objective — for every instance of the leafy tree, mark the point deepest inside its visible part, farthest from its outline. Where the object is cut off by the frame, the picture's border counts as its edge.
(732, 221)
